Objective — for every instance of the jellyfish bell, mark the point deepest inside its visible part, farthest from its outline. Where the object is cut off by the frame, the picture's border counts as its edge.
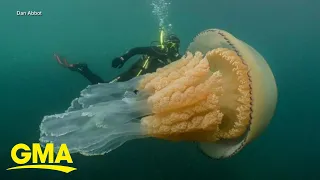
(262, 89)
(221, 94)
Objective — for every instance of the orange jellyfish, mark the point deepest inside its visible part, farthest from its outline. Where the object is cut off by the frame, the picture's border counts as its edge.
(221, 94)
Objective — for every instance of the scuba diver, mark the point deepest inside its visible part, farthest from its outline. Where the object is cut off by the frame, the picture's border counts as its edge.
(153, 57)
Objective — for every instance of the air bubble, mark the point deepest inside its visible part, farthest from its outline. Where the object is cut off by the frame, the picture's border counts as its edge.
(160, 10)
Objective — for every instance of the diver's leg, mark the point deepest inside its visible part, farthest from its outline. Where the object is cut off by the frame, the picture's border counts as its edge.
(84, 70)
(81, 68)
(125, 76)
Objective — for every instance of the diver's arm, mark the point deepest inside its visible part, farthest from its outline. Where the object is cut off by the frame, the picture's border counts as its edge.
(150, 51)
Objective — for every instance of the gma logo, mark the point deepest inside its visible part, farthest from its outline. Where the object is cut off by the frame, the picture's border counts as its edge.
(48, 154)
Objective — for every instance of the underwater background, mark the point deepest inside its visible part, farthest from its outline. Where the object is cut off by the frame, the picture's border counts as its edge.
(285, 32)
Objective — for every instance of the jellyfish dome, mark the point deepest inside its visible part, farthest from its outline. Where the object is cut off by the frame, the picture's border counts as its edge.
(256, 84)
(221, 94)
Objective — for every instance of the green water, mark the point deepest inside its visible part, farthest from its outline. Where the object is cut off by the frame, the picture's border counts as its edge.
(285, 32)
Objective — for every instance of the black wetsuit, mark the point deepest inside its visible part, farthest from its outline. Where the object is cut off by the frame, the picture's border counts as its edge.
(153, 58)
(87, 73)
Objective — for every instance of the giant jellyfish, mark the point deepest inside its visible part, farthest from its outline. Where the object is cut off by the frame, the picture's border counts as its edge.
(221, 94)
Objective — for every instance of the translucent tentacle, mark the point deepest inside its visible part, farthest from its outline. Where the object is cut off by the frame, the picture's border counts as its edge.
(102, 121)
(98, 93)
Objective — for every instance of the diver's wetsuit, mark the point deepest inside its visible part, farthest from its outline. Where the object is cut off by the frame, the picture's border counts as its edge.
(87, 73)
(153, 58)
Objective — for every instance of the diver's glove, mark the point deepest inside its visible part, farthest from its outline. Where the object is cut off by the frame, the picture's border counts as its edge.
(118, 62)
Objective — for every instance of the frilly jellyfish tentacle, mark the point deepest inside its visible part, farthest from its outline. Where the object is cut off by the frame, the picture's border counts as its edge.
(107, 119)
(98, 93)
